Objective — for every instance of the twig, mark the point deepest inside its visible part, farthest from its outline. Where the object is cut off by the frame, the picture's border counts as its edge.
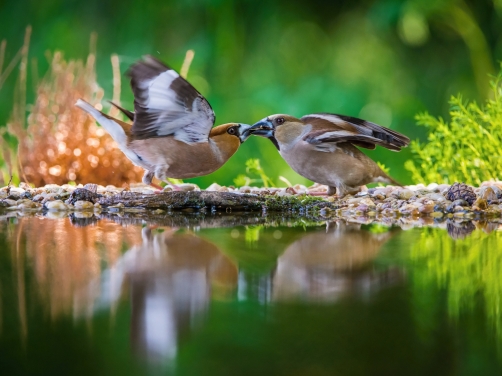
(186, 63)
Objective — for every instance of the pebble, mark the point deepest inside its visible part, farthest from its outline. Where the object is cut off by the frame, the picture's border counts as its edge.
(56, 205)
(488, 193)
(215, 187)
(403, 193)
(413, 203)
(83, 205)
(10, 202)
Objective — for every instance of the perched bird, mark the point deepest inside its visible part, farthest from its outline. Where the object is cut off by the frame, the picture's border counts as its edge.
(322, 148)
(171, 135)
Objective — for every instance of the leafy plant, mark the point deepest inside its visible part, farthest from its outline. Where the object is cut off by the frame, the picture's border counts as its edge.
(468, 148)
(253, 167)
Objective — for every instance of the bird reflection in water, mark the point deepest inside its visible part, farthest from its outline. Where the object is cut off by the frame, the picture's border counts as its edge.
(326, 265)
(171, 278)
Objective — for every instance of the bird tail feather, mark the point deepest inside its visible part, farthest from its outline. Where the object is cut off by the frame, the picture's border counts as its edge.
(111, 126)
(384, 178)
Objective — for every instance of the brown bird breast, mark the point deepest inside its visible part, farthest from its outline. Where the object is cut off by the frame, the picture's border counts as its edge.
(184, 161)
(345, 165)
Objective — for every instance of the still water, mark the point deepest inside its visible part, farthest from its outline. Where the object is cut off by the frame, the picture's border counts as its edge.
(248, 296)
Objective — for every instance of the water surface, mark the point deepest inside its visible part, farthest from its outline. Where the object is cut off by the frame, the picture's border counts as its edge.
(86, 296)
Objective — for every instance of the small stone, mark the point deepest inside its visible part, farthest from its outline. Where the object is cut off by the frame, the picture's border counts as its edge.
(38, 198)
(426, 208)
(56, 205)
(409, 210)
(283, 193)
(82, 194)
(403, 193)
(436, 214)
(245, 189)
(432, 186)
(480, 204)
(461, 191)
(185, 187)
(460, 203)
(17, 191)
(83, 205)
(158, 211)
(368, 202)
(10, 202)
(215, 187)
(29, 205)
(91, 187)
(438, 197)
(223, 189)
(488, 193)
(291, 190)
(97, 205)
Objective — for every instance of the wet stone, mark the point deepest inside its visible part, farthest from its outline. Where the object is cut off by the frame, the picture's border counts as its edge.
(56, 205)
(82, 194)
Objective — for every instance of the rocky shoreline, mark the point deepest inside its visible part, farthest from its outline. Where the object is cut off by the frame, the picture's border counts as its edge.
(433, 201)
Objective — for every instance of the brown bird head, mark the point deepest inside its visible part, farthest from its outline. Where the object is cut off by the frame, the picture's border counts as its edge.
(229, 137)
(231, 132)
(278, 128)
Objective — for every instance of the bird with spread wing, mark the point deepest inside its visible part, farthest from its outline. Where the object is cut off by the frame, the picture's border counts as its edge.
(172, 134)
(322, 148)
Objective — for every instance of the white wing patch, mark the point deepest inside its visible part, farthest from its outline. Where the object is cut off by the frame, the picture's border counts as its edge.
(166, 104)
(160, 96)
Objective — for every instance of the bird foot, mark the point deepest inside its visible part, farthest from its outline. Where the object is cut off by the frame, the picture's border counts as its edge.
(173, 186)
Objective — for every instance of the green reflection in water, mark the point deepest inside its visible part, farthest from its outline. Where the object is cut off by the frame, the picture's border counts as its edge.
(468, 269)
(364, 300)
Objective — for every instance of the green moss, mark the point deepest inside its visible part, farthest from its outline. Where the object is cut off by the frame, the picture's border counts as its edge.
(467, 148)
(285, 203)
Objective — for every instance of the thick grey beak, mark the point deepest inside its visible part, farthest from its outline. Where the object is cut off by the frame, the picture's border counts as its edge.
(263, 128)
(244, 132)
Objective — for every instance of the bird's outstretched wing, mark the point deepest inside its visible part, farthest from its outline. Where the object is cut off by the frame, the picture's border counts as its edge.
(166, 104)
(332, 128)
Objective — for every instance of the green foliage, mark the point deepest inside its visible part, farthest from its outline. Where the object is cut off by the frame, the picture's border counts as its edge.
(253, 167)
(384, 168)
(468, 148)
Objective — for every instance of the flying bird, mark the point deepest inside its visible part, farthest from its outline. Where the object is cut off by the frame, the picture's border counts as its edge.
(171, 134)
(322, 148)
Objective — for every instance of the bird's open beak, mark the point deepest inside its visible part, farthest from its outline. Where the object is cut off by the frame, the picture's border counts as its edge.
(244, 132)
(263, 128)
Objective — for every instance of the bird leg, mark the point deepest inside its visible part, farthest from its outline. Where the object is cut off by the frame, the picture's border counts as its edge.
(148, 180)
(161, 174)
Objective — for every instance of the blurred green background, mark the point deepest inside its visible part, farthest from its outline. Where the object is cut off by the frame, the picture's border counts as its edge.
(383, 61)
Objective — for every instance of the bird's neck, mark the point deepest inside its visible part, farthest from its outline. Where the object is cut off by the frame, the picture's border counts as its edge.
(225, 145)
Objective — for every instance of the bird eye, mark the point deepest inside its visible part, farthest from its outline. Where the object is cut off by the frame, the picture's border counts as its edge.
(232, 130)
(279, 121)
